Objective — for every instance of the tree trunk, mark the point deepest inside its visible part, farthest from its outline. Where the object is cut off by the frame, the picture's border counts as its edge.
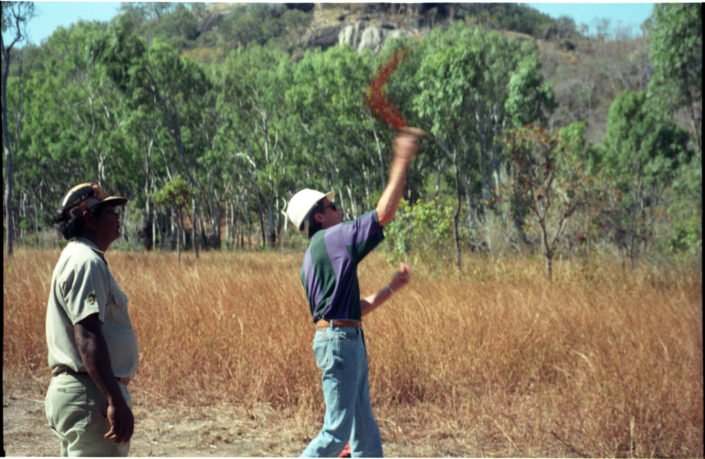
(179, 223)
(8, 166)
(194, 229)
(697, 123)
(456, 216)
(271, 230)
(549, 265)
(263, 232)
(230, 218)
(380, 162)
(547, 249)
(148, 210)
(217, 233)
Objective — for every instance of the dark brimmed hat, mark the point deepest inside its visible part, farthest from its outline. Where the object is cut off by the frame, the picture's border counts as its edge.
(85, 196)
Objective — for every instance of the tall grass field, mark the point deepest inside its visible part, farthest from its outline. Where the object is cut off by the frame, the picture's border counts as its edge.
(496, 362)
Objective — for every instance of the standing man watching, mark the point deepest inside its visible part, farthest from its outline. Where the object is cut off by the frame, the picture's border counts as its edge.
(329, 277)
(92, 345)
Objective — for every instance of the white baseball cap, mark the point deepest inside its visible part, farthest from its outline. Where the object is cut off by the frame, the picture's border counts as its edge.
(301, 204)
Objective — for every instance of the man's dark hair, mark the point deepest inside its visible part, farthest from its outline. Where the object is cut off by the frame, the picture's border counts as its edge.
(69, 228)
(74, 226)
(313, 225)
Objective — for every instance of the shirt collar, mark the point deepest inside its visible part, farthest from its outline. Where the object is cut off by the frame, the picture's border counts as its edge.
(92, 246)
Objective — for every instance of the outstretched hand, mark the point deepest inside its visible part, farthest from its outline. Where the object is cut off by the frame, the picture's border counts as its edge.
(401, 277)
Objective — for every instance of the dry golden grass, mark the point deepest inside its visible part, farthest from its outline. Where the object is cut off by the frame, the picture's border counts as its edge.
(497, 363)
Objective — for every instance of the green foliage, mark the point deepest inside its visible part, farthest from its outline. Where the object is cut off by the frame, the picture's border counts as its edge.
(530, 98)
(334, 131)
(245, 118)
(508, 16)
(640, 144)
(675, 48)
(472, 84)
(685, 237)
(175, 193)
(253, 145)
(260, 24)
(641, 155)
(549, 180)
(70, 130)
(423, 229)
(179, 28)
(15, 14)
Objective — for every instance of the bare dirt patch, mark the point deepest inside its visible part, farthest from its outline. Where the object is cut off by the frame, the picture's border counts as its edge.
(224, 430)
(177, 430)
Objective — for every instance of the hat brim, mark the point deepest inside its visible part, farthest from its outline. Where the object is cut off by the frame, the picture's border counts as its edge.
(112, 201)
(330, 196)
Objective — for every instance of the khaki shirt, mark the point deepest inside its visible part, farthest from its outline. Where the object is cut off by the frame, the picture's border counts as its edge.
(82, 285)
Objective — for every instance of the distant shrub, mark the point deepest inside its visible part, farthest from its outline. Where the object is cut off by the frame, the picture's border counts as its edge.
(426, 227)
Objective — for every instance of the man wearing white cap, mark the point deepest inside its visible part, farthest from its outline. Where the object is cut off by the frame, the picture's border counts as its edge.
(91, 342)
(329, 277)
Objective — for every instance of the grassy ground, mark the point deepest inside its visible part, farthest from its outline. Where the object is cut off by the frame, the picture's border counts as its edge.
(495, 363)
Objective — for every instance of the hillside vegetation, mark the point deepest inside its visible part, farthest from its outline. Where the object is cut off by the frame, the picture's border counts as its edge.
(546, 139)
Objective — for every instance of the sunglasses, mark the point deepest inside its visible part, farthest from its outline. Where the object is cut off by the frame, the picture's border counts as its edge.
(331, 206)
(116, 211)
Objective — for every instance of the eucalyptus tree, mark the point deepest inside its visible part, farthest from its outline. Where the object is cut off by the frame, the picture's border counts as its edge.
(183, 96)
(641, 153)
(550, 178)
(676, 47)
(472, 85)
(340, 141)
(72, 122)
(174, 91)
(255, 132)
(175, 194)
(428, 174)
(15, 16)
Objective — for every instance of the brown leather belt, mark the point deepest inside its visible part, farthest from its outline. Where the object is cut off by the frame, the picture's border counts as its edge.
(69, 371)
(337, 323)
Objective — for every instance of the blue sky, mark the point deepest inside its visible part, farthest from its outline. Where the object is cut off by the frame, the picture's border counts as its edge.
(51, 15)
(630, 15)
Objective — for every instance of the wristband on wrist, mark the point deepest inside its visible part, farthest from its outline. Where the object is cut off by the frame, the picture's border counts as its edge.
(389, 287)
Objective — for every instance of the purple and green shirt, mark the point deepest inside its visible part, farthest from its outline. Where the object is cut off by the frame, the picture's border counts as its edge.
(329, 269)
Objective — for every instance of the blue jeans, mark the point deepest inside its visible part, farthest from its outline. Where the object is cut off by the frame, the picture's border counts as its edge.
(342, 358)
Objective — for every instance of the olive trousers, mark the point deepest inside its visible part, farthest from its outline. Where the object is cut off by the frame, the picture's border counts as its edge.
(76, 412)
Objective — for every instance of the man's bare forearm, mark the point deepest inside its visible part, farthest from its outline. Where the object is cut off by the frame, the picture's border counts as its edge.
(404, 151)
(94, 353)
(370, 303)
(399, 280)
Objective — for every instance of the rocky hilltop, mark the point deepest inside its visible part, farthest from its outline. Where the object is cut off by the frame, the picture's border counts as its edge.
(359, 25)
(369, 26)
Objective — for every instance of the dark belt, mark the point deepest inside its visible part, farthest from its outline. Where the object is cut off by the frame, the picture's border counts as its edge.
(69, 371)
(337, 323)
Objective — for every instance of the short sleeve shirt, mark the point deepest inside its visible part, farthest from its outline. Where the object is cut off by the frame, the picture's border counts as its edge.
(82, 285)
(329, 269)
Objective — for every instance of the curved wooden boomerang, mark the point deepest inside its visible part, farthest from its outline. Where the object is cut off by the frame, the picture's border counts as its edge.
(378, 103)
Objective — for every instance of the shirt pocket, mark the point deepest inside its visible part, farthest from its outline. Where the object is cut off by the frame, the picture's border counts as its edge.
(116, 313)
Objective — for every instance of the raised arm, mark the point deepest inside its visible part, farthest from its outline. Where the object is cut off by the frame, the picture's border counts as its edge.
(405, 148)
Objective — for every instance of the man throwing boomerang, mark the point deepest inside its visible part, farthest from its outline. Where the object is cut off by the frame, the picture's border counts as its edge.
(329, 277)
